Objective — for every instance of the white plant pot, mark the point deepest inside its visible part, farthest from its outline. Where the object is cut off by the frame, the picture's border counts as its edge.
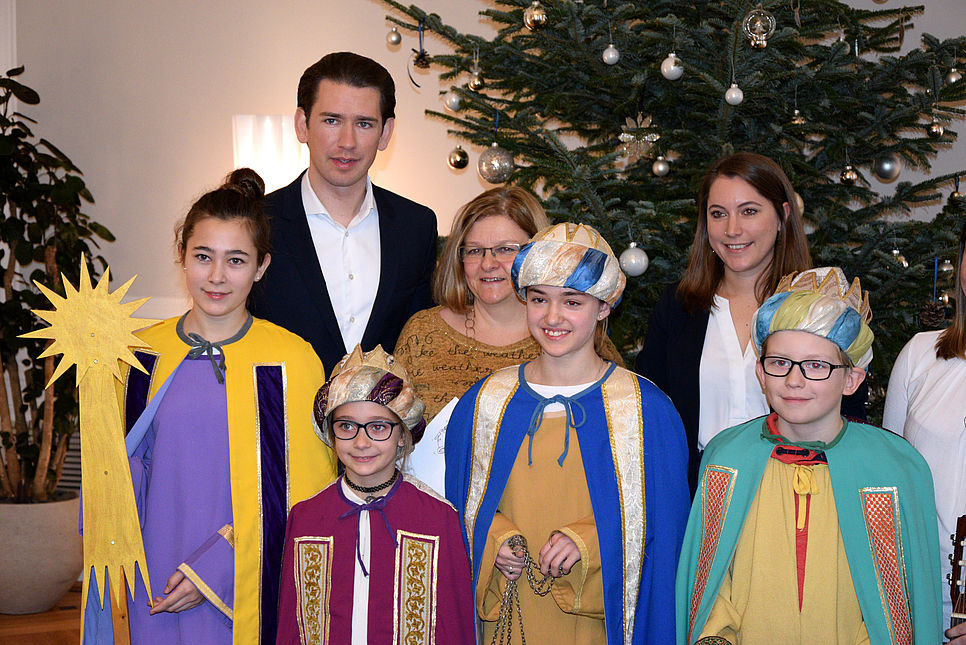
(42, 554)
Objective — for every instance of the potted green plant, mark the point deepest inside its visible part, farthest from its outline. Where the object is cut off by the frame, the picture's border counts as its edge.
(43, 232)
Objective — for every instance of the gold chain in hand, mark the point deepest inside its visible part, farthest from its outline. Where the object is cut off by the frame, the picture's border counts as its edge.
(511, 596)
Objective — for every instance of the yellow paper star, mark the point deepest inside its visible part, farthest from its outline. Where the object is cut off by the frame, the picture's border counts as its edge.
(93, 330)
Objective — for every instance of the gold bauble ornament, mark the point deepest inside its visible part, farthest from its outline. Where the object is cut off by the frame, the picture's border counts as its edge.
(535, 16)
(849, 176)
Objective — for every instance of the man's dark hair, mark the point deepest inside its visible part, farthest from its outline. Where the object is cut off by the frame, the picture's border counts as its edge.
(349, 69)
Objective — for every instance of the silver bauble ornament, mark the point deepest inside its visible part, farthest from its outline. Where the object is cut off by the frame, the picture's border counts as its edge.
(458, 158)
(535, 16)
(946, 266)
(660, 167)
(734, 95)
(671, 68)
(634, 260)
(476, 82)
(758, 26)
(886, 167)
(611, 55)
(849, 176)
(935, 129)
(451, 100)
(496, 164)
(900, 258)
(394, 37)
(953, 76)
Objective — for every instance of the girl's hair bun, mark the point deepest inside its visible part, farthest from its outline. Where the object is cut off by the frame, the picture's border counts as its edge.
(247, 182)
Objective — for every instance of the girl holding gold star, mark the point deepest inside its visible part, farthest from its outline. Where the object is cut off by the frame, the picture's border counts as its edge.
(220, 436)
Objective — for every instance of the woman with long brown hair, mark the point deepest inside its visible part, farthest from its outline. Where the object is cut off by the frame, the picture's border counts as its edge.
(749, 234)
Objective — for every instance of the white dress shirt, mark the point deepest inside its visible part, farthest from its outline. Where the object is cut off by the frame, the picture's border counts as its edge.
(350, 260)
(926, 404)
(729, 388)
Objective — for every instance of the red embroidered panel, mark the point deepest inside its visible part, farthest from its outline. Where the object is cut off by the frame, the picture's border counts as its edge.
(880, 506)
(715, 495)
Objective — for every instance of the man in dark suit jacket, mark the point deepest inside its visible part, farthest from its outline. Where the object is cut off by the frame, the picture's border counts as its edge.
(351, 262)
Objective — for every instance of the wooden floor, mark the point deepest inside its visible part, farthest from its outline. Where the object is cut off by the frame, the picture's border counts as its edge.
(59, 626)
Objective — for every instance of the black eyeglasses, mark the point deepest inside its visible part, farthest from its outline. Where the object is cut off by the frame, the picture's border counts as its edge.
(812, 369)
(477, 253)
(375, 430)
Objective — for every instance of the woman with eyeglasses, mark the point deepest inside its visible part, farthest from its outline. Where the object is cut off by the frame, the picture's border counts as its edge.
(480, 325)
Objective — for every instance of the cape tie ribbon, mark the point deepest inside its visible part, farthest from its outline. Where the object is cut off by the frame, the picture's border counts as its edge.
(200, 346)
(803, 481)
(378, 505)
(537, 418)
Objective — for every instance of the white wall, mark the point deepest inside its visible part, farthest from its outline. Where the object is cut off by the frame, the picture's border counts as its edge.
(140, 95)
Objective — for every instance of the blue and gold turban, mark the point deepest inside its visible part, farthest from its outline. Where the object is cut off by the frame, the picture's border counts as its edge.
(371, 376)
(573, 256)
(822, 302)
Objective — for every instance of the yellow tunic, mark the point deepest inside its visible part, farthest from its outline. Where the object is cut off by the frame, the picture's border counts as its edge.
(443, 363)
(758, 599)
(539, 499)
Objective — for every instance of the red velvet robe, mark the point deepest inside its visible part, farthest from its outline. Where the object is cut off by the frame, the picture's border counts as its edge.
(419, 588)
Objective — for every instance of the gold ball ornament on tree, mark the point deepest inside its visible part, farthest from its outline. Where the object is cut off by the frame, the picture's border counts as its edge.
(799, 203)
(797, 118)
(758, 26)
(671, 67)
(935, 129)
(458, 158)
(611, 55)
(849, 176)
(886, 167)
(496, 164)
(393, 38)
(900, 258)
(476, 82)
(660, 167)
(734, 95)
(535, 16)
(953, 76)
(634, 260)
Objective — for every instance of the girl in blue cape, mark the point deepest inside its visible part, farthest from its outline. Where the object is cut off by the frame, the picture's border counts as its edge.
(583, 460)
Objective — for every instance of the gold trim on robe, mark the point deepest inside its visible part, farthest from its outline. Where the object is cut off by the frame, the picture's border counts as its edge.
(313, 585)
(416, 570)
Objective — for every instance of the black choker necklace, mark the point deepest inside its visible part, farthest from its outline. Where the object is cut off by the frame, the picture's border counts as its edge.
(371, 489)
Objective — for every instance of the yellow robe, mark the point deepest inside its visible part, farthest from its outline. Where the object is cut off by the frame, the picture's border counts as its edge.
(539, 499)
(758, 598)
(310, 465)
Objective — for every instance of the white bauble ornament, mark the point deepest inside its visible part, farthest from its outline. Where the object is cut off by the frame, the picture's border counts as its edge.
(886, 167)
(734, 95)
(394, 37)
(634, 260)
(671, 68)
(660, 167)
(495, 164)
(451, 100)
(611, 55)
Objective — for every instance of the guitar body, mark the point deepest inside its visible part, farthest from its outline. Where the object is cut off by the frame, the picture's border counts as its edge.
(957, 584)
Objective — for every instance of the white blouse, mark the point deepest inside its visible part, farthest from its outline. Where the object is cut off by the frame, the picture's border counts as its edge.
(926, 403)
(729, 389)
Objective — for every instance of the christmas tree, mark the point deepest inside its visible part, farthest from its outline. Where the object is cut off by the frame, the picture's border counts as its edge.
(613, 111)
